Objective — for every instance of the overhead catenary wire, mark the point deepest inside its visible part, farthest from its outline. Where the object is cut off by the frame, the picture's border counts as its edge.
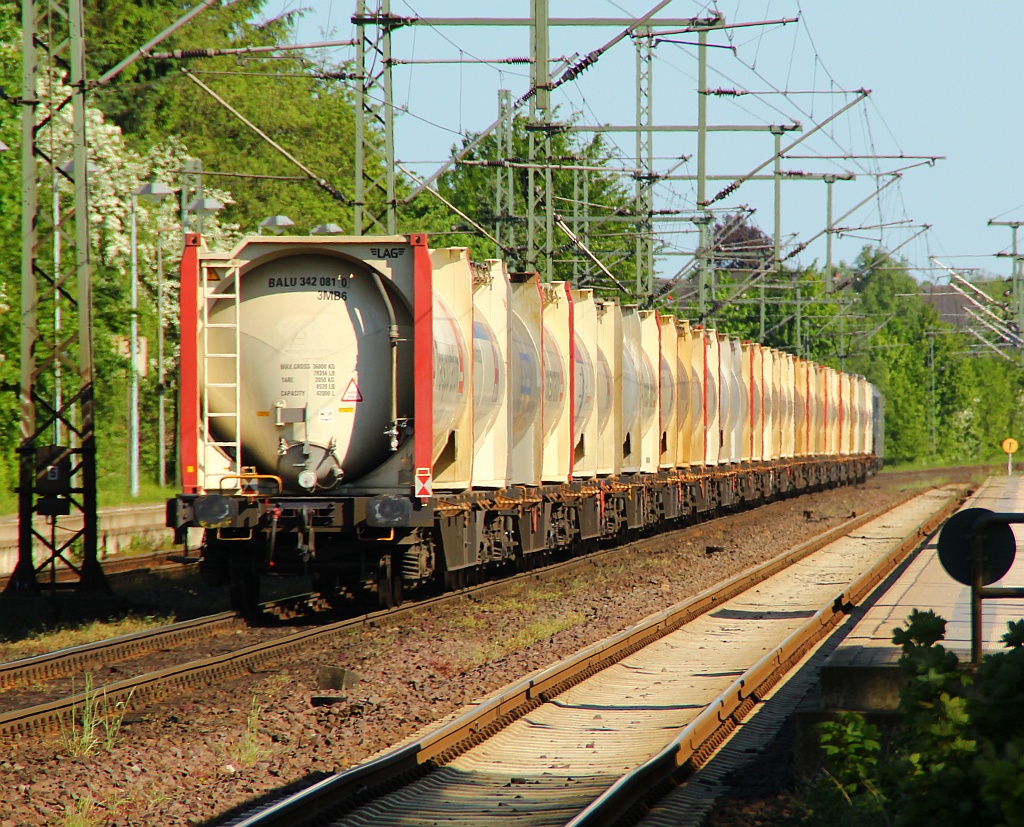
(319, 180)
(569, 74)
(189, 54)
(666, 189)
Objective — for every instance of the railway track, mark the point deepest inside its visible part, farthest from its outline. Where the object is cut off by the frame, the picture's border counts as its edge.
(112, 568)
(78, 659)
(592, 738)
(150, 686)
(86, 656)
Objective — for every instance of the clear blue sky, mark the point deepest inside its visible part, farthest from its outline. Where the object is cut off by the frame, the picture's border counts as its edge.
(943, 81)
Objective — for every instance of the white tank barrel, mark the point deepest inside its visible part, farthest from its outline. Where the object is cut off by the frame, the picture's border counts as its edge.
(683, 390)
(711, 391)
(315, 370)
(725, 410)
(554, 382)
(756, 391)
(449, 374)
(605, 390)
(696, 412)
(584, 382)
(668, 391)
(630, 392)
(524, 373)
(739, 399)
(488, 380)
(648, 394)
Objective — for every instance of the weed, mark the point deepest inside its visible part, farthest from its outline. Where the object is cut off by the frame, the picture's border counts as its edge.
(248, 751)
(507, 604)
(469, 622)
(275, 684)
(82, 814)
(98, 724)
(62, 637)
(854, 744)
(527, 636)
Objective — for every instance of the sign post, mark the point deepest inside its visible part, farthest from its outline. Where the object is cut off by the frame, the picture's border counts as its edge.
(977, 547)
(1010, 447)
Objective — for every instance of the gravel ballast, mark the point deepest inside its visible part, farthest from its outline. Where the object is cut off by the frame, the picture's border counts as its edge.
(188, 760)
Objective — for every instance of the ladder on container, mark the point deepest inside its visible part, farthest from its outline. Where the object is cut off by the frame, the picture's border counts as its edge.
(222, 288)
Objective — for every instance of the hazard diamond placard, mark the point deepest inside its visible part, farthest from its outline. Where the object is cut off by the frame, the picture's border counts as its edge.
(424, 483)
(352, 393)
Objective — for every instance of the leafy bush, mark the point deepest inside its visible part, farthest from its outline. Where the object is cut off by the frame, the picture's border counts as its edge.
(957, 757)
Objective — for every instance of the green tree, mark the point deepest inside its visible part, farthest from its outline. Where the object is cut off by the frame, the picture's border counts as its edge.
(118, 172)
(474, 189)
(10, 237)
(301, 101)
(957, 753)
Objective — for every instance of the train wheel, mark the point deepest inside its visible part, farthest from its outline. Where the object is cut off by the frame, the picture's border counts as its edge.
(214, 567)
(245, 583)
(329, 586)
(389, 584)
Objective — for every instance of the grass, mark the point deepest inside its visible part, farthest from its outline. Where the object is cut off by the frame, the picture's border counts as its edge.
(249, 751)
(935, 477)
(84, 813)
(98, 724)
(112, 490)
(62, 637)
(979, 470)
(527, 636)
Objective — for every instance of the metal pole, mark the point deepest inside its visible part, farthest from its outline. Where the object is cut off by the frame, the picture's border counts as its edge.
(161, 376)
(761, 300)
(799, 341)
(92, 574)
(549, 212)
(644, 245)
(53, 43)
(1018, 288)
(58, 400)
(133, 428)
(391, 217)
(829, 181)
(502, 202)
(576, 224)
(931, 362)
(702, 164)
(24, 573)
(977, 555)
(540, 104)
(777, 238)
(359, 192)
(842, 341)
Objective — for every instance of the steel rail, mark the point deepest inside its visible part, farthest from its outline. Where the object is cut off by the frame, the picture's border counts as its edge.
(446, 742)
(146, 687)
(64, 662)
(151, 686)
(700, 739)
(113, 567)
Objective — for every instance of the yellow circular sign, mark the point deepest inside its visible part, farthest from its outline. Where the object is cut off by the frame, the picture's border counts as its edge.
(1010, 445)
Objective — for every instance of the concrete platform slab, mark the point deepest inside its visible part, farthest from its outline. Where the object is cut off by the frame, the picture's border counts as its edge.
(862, 673)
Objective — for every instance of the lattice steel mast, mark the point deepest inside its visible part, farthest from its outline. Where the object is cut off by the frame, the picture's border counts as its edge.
(375, 207)
(55, 480)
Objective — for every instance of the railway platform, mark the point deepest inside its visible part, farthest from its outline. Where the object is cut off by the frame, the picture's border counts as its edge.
(118, 527)
(862, 674)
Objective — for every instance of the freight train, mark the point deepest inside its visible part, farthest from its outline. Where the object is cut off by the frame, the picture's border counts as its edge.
(382, 415)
